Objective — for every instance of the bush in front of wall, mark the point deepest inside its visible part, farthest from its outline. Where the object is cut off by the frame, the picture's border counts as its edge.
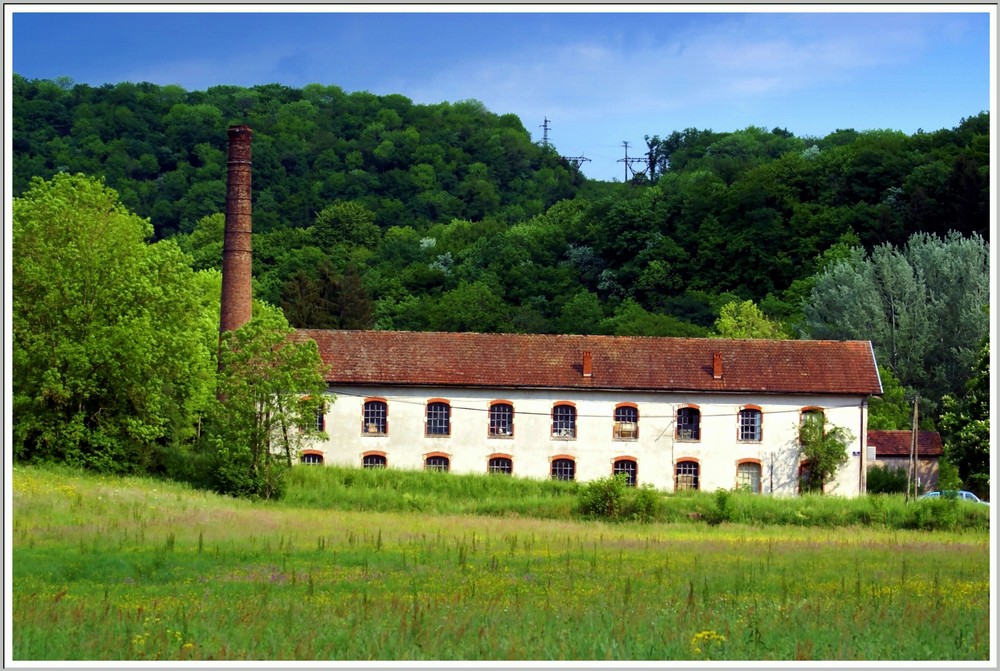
(882, 480)
(603, 498)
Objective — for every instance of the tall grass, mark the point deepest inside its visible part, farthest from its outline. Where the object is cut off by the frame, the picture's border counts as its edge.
(129, 569)
(341, 488)
(344, 488)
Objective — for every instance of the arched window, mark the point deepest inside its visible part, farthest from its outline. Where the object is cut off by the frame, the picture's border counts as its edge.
(807, 484)
(686, 475)
(564, 421)
(812, 424)
(501, 465)
(748, 476)
(438, 419)
(749, 424)
(373, 420)
(312, 459)
(321, 419)
(437, 462)
(501, 420)
(626, 467)
(688, 423)
(373, 461)
(626, 421)
(563, 469)
(812, 414)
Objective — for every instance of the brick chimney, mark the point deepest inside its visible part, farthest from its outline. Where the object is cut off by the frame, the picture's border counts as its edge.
(717, 366)
(237, 293)
(588, 364)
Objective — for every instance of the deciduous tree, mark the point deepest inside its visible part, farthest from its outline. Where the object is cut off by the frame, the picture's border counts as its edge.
(270, 390)
(113, 340)
(921, 306)
(745, 320)
(965, 423)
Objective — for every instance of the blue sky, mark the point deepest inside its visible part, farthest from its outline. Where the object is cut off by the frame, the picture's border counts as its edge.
(602, 76)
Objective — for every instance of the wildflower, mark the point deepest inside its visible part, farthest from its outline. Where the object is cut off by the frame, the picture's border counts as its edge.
(701, 643)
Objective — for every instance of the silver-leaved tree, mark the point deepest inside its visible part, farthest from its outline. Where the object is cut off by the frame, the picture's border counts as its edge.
(922, 307)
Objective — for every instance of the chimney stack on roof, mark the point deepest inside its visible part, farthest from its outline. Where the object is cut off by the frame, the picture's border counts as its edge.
(237, 292)
(588, 364)
(717, 365)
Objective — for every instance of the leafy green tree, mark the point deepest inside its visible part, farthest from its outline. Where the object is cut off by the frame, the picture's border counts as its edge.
(581, 314)
(355, 310)
(348, 222)
(948, 479)
(204, 243)
(304, 303)
(824, 449)
(112, 339)
(921, 306)
(965, 423)
(631, 319)
(472, 306)
(893, 411)
(270, 389)
(745, 320)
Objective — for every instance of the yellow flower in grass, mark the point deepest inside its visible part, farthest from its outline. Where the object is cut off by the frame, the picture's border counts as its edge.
(702, 642)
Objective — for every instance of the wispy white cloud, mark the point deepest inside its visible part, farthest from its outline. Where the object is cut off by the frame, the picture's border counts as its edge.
(750, 57)
(601, 80)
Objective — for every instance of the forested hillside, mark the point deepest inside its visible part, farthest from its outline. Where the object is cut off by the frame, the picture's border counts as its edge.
(374, 211)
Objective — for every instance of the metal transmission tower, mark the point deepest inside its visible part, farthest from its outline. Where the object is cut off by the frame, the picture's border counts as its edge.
(545, 132)
(629, 161)
(574, 161)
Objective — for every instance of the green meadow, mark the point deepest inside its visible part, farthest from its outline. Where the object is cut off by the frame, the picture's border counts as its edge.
(361, 565)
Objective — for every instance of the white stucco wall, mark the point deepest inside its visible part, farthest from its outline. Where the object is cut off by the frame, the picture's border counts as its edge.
(655, 450)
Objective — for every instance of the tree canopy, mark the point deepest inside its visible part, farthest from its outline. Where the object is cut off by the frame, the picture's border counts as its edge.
(965, 423)
(115, 350)
(112, 335)
(922, 306)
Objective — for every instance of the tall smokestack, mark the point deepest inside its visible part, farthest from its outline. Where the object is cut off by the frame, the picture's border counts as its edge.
(237, 294)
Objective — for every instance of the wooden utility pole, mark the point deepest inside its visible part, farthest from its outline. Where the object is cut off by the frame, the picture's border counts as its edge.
(912, 473)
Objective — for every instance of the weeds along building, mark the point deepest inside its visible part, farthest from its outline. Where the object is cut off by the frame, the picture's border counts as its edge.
(671, 412)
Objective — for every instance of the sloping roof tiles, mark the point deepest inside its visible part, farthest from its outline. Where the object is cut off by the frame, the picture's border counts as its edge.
(619, 363)
(897, 443)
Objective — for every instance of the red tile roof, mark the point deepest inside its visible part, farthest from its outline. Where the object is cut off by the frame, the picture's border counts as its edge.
(619, 363)
(897, 443)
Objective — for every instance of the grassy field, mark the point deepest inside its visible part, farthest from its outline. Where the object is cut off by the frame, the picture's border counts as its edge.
(132, 569)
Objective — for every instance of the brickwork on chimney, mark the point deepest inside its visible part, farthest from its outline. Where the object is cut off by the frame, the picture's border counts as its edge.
(237, 292)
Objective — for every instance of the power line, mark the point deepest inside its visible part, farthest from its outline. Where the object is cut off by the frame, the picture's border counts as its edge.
(574, 161)
(406, 401)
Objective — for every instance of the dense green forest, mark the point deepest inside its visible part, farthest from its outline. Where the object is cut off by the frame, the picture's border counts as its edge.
(373, 211)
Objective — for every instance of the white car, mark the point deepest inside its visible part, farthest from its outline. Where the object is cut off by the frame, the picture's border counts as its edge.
(960, 494)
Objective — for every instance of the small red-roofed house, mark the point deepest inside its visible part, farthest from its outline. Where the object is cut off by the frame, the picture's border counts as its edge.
(891, 449)
(676, 413)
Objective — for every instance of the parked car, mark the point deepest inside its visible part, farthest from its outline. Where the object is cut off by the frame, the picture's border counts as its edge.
(959, 494)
